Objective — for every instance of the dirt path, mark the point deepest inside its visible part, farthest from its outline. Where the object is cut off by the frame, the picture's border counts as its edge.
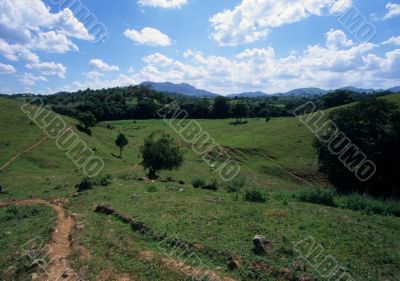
(59, 248)
(26, 150)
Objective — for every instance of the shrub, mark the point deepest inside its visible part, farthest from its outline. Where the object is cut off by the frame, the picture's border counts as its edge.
(236, 185)
(254, 195)
(198, 183)
(323, 196)
(85, 184)
(151, 188)
(358, 202)
(213, 185)
(105, 180)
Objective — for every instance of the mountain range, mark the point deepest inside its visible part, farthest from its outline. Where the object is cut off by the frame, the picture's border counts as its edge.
(188, 90)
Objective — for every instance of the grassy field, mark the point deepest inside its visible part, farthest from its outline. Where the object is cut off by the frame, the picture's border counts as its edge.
(275, 157)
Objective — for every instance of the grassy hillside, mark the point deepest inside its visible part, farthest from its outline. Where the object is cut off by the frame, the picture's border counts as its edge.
(276, 157)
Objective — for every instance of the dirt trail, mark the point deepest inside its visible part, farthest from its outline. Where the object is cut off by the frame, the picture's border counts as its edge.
(26, 150)
(59, 248)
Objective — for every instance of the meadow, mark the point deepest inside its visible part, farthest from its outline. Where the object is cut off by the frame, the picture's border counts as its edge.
(213, 227)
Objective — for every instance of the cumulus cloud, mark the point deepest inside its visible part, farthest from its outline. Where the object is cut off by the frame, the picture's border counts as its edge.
(394, 40)
(335, 63)
(252, 20)
(30, 79)
(158, 59)
(32, 26)
(7, 68)
(48, 68)
(148, 36)
(168, 4)
(99, 65)
(393, 10)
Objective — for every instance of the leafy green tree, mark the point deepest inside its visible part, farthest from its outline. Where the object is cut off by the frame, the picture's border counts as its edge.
(373, 126)
(240, 110)
(221, 107)
(87, 120)
(121, 142)
(160, 154)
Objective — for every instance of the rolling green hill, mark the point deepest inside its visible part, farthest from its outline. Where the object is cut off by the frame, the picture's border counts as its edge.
(276, 157)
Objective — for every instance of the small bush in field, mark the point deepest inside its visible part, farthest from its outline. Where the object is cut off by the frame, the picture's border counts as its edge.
(213, 185)
(235, 185)
(151, 188)
(254, 195)
(85, 184)
(323, 196)
(105, 180)
(198, 183)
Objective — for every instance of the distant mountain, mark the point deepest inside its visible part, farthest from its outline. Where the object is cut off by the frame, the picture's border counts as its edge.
(360, 90)
(394, 89)
(248, 95)
(301, 92)
(183, 89)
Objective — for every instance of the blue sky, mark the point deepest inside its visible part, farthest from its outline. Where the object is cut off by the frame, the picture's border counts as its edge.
(224, 46)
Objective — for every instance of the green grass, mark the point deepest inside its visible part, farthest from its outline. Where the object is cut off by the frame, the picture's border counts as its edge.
(21, 229)
(223, 222)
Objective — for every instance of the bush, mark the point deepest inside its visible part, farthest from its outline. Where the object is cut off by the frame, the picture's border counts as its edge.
(236, 185)
(254, 195)
(151, 188)
(213, 185)
(198, 183)
(85, 184)
(358, 202)
(104, 181)
(323, 196)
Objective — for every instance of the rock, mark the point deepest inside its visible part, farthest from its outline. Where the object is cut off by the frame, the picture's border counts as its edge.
(260, 245)
(34, 276)
(181, 189)
(80, 226)
(234, 264)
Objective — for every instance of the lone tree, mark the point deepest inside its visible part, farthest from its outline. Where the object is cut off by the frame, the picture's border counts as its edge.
(240, 109)
(160, 154)
(121, 142)
(87, 120)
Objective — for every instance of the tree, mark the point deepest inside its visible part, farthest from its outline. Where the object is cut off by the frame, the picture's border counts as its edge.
(221, 107)
(160, 154)
(87, 119)
(372, 126)
(121, 142)
(240, 109)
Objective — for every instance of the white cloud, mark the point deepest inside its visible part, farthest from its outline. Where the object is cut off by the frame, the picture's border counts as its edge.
(7, 69)
(93, 75)
(148, 36)
(48, 68)
(30, 79)
(337, 39)
(15, 52)
(335, 63)
(395, 40)
(252, 20)
(99, 65)
(163, 3)
(53, 42)
(158, 59)
(393, 10)
(32, 26)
